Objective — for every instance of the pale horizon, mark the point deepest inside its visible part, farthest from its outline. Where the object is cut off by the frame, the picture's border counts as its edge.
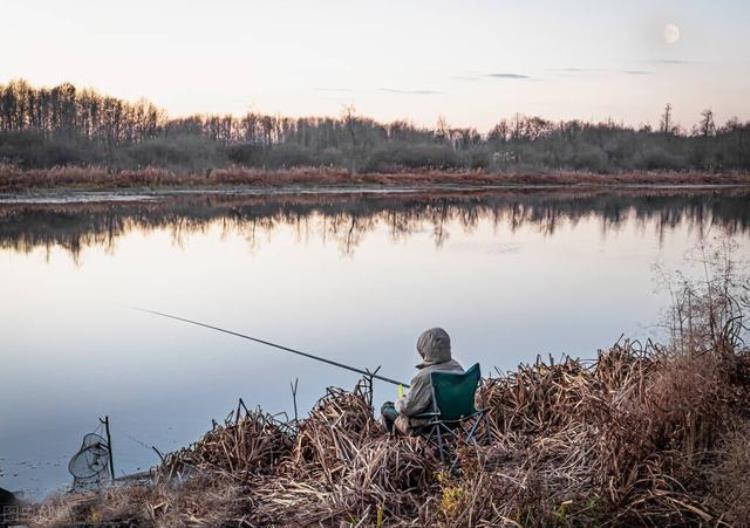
(418, 61)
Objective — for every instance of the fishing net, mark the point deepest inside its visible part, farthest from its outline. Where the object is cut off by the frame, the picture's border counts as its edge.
(90, 465)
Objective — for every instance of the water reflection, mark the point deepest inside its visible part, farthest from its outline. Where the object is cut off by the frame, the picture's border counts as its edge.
(346, 219)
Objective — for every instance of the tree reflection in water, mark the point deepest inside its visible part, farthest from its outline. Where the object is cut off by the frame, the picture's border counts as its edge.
(348, 218)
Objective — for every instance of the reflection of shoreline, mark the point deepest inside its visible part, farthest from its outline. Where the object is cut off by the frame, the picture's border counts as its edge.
(71, 196)
(347, 217)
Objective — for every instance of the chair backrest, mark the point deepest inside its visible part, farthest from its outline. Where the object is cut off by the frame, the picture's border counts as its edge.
(453, 393)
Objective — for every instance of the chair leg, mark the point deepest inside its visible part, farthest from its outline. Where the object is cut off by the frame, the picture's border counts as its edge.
(440, 444)
(453, 465)
(473, 430)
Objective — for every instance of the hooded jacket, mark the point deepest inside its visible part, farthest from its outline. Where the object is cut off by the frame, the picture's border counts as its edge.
(434, 345)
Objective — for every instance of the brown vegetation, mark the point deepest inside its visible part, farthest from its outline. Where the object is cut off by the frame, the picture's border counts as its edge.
(14, 179)
(643, 436)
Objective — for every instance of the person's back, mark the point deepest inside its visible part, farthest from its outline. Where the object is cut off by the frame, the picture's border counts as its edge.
(434, 345)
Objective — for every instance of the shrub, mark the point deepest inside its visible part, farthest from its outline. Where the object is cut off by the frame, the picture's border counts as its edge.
(391, 156)
(656, 157)
(189, 152)
(32, 149)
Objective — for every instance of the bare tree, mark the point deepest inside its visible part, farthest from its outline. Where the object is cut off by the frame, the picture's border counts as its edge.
(707, 127)
(666, 120)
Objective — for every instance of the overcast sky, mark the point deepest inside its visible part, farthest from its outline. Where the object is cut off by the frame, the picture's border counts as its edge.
(471, 61)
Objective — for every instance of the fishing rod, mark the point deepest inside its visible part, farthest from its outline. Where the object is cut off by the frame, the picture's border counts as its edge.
(275, 345)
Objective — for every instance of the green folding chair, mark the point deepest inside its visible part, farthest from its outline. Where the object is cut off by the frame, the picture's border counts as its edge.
(453, 409)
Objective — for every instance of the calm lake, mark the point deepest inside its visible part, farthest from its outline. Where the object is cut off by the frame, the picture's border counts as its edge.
(353, 277)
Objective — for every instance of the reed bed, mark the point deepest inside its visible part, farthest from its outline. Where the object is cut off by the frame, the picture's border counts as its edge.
(14, 179)
(250, 444)
(642, 436)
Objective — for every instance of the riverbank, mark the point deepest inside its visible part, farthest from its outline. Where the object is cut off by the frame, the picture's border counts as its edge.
(643, 436)
(15, 180)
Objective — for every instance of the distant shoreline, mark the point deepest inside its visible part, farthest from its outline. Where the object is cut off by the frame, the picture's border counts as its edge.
(322, 180)
(72, 195)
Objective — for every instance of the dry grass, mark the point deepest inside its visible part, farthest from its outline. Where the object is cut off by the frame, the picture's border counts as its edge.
(253, 443)
(729, 479)
(642, 436)
(639, 438)
(13, 179)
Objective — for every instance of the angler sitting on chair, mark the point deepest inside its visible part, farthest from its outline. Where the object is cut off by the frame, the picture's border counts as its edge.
(434, 345)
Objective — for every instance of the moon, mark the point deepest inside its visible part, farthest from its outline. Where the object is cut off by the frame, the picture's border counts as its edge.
(671, 33)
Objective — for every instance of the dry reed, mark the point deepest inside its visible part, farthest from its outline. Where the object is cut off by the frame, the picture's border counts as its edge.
(14, 179)
(642, 436)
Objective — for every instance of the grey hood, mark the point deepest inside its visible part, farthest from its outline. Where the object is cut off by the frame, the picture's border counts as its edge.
(434, 345)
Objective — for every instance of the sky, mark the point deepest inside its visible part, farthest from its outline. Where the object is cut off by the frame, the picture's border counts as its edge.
(472, 62)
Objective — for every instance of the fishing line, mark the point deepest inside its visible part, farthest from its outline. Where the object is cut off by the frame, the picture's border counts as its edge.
(366, 373)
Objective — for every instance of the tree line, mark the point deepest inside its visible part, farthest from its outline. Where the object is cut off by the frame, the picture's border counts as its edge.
(64, 125)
